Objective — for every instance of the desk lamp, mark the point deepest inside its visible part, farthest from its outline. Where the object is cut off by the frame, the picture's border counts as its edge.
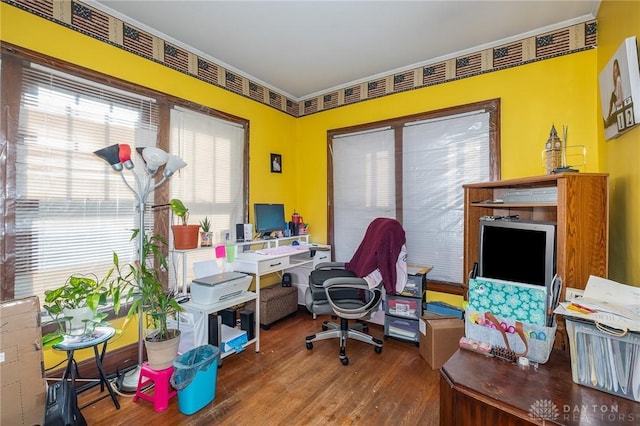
(119, 158)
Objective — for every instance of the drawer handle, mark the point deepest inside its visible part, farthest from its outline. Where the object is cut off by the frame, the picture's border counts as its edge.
(275, 264)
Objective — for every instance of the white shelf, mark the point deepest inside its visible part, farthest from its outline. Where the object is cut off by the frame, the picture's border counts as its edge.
(219, 306)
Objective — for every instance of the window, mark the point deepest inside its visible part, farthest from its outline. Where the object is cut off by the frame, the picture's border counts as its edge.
(413, 169)
(65, 211)
(72, 212)
(212, 184)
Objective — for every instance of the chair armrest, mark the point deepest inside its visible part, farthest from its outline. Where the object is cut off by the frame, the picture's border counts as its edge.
(352, 283)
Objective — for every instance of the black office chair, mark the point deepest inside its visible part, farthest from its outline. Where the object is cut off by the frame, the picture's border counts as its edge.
(336, 288)
(336, 291)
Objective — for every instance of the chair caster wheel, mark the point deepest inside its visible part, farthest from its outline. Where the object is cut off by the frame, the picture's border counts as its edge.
(344, 361)
(324, 327)
(365, 329)
(309, 345)
(378, 349)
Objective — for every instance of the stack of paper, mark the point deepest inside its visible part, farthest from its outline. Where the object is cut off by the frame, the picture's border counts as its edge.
(606, 302)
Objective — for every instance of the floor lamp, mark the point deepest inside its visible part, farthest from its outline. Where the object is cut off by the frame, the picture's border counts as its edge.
(119, 157)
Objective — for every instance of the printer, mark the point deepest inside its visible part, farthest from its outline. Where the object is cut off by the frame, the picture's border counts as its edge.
(219, 287)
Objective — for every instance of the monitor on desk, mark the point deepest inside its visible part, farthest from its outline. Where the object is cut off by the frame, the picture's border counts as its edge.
(268, 218)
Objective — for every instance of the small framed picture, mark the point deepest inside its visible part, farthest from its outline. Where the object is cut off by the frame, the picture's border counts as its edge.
(276, 163)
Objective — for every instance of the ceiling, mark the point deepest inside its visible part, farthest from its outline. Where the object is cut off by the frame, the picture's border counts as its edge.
(302, 48)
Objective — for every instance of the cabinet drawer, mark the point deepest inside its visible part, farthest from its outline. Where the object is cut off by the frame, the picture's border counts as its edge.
(404, 307)
(321, 257)
(273, 265)
(401, 328)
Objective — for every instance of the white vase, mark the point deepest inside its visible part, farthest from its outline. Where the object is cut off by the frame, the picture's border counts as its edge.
(77, 325)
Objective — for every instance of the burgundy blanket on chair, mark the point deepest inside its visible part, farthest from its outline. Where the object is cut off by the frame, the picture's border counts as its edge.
(379, 249)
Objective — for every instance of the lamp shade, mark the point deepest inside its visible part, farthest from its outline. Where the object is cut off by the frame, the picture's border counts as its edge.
(154, 157)
(124, 154)
(174, 163)
(111, 155)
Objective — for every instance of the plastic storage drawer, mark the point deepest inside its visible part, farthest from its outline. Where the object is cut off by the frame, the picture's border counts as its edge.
(404, 307)
(401, 328)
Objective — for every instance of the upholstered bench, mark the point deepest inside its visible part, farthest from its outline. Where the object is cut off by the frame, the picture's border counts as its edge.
(276, 302)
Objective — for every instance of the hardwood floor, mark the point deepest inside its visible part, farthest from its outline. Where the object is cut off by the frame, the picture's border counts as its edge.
(287, 384)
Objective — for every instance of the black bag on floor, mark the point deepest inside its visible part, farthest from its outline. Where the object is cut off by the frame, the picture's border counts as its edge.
(62, 406)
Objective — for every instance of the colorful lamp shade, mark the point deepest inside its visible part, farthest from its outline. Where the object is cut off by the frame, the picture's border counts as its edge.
(174, 163)
(111, 155)
(154, 157)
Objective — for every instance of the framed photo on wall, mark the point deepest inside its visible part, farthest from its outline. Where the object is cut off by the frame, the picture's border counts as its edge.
(620, 90)
(276, 163)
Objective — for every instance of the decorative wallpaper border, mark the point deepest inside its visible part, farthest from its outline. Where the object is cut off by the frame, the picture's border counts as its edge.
(83, 18)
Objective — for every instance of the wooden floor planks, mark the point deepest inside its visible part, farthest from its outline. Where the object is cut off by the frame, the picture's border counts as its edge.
(286, 384)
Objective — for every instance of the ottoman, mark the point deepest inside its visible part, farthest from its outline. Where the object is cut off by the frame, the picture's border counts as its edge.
(276, 302)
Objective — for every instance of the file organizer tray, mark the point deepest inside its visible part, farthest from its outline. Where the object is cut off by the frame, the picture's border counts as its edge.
(603, 361)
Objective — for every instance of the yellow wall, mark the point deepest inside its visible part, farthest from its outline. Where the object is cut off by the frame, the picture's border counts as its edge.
(533, 97)
(620, 157)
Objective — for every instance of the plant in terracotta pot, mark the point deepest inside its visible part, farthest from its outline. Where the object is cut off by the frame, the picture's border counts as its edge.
(206, 236)
(74, 305)
(156, 303)
(185, 236)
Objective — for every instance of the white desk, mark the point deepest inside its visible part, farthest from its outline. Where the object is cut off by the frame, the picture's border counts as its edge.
(262, 264)
(180, 256)
(257, 264)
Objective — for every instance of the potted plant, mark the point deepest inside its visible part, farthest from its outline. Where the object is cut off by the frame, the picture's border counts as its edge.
(74, 305)
(185, 236)
(206, 236)
(155, 303)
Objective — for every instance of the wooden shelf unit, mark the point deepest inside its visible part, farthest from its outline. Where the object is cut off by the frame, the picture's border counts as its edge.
(581, 213)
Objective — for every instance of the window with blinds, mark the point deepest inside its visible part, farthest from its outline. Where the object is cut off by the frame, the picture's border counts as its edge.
(413, 169)
(212, 184)
(72, 211)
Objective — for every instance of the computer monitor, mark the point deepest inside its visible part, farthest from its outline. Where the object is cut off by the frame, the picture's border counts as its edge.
(515, 250)
(268, 218)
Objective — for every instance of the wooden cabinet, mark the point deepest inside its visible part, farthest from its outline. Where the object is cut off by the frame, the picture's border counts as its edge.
(581, 213)
(479, 390)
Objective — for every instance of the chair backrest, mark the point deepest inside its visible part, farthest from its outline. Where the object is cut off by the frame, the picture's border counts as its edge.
(205, 268)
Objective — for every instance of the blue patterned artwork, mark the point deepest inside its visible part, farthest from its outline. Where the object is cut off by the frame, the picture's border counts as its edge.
(522, 302)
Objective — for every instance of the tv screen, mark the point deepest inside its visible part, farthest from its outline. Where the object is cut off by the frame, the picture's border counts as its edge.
(519, 251)
(268, 218)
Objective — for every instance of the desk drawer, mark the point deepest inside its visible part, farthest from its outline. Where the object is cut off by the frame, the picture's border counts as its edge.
(273, 265)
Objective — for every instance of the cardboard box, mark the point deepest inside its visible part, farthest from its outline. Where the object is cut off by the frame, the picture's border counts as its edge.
(439, 339)
(23, 395)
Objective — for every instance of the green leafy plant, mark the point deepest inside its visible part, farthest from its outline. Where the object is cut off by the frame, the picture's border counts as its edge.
(180, 210)
(156, 303)
(205, 224)
(80, 291)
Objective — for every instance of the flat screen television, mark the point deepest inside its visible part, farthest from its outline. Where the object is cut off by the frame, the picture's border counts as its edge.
(520, 251)
(268, 218)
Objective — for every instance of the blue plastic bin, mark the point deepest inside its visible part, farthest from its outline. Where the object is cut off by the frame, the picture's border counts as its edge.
(194, 377)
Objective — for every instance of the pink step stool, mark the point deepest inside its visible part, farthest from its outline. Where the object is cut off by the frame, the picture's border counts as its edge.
(161, 394)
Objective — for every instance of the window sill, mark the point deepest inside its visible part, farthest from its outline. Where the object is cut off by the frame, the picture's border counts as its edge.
(446, 287)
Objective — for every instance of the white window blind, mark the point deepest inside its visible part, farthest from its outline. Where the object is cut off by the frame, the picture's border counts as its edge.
(72, 210)
(212, 183)
(438, 157)
(363, 185)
